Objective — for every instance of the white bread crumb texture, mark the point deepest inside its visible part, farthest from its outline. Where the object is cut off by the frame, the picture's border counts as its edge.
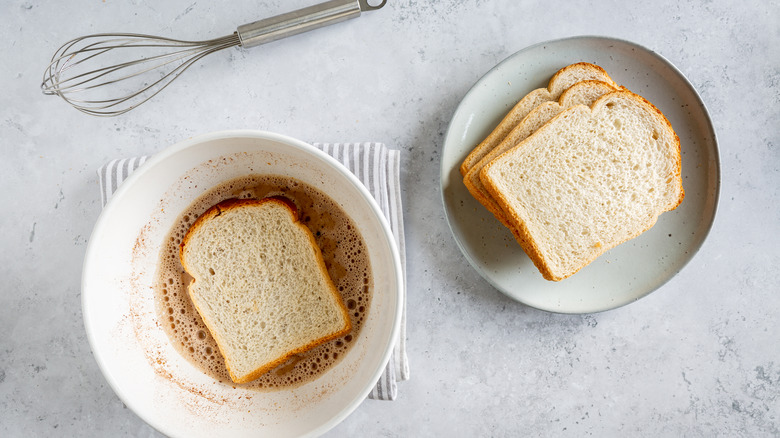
(260, 285)
(589, 180)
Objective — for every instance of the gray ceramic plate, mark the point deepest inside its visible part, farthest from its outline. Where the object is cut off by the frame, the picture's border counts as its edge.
(629, 271)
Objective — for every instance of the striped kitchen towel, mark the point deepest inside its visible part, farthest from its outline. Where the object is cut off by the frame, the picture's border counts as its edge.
(378, 168)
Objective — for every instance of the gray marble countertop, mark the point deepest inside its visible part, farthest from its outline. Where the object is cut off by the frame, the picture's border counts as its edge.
(699, 357)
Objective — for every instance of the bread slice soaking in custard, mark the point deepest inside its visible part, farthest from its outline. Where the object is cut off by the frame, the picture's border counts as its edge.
(260, 284)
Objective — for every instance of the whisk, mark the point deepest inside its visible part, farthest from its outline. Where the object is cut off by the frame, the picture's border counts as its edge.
(110, 74)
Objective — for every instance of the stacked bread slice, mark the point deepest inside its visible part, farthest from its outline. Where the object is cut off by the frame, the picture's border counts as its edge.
(577, 171)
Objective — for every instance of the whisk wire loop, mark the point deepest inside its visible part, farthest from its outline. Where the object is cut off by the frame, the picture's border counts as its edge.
(74, 75)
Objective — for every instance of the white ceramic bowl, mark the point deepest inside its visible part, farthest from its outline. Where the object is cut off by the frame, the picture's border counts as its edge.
(133, 352)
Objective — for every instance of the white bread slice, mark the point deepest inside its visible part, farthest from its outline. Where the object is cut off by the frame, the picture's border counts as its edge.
(563, 79)
(260, 284)
(581, 93)
(588, 180)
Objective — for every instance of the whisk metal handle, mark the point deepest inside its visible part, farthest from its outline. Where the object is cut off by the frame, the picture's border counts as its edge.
(302, 20)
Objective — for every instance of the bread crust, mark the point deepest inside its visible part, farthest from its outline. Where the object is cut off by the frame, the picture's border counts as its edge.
(557, 84)
(290, 206)
(521, 230)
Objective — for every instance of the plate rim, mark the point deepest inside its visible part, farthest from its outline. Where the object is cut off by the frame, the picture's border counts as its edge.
(716, 162)
(101, 223)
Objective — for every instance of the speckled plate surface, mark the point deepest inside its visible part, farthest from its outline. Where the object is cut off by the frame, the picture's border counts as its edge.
(629, 271)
